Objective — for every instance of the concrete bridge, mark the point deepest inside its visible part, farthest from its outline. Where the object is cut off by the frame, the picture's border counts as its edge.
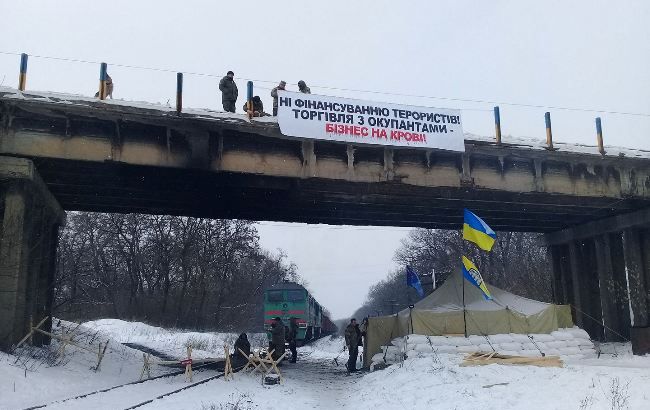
(74, 153)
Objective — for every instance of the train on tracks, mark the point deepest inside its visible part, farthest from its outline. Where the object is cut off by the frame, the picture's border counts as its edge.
(290, 300)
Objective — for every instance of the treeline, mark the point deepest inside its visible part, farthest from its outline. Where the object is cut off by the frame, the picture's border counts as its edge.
(171, 271)
(516, 264)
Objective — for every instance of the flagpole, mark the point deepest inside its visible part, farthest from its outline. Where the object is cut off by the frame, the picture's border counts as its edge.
(462, 277)
(464, 309)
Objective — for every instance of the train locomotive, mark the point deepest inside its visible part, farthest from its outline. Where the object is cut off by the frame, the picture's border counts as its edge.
(290, 300)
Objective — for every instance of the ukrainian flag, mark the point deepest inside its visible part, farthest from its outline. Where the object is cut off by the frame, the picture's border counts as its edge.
(471, 273)
(477, 231)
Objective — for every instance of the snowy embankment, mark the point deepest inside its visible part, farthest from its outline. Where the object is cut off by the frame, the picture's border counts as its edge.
(172, 342)
(616, 380)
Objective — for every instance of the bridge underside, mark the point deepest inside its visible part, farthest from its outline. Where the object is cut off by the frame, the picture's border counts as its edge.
(124, 188)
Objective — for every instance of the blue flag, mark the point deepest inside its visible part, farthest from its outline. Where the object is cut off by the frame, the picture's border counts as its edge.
(413, 280)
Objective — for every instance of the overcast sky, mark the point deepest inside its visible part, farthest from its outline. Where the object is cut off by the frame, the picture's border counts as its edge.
(577, 54)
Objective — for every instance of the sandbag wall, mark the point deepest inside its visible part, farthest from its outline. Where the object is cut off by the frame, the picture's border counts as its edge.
(570, 343)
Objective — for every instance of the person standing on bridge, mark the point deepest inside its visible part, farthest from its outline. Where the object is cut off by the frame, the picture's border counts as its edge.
(302, 87)
(274, 94)
(352, 341)
(229, 92)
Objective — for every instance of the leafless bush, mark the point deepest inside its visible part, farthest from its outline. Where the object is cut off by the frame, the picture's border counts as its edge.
(618, 394)
(241, 401)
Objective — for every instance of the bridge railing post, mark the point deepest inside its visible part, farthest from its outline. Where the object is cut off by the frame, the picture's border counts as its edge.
(549, 132)
(249, 98)
(103, 68)
(22, 77)
(599, 137)
(497, 124)
(179, 93)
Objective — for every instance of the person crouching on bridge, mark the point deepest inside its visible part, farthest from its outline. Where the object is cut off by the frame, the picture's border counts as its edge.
(302, 87)
(241, 345)
(258, 108)
(274, 94)
(292, 335)
(229, 92)
(352, 342)
(277, 338)
(109, 87)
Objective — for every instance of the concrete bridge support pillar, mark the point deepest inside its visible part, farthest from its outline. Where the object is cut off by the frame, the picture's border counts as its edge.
(30, 218)
(603, 269)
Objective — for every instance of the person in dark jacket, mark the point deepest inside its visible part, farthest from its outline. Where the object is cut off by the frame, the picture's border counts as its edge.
(277, 338)
(302, 87)
(244, 345)
(274, 94)
(258, 108)
(293, 334)
(229, 92)
(352, 342)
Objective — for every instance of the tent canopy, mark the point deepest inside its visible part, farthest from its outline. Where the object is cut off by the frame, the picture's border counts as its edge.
(441, 313)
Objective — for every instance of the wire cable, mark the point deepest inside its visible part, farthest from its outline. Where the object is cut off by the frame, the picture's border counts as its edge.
(325, 87)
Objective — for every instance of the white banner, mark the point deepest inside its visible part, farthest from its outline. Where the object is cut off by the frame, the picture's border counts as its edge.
(368, 122)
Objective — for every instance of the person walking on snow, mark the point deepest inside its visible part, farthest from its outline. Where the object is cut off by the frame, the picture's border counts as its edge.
(228, 92)
(274, 94)
(352, 339)
(277, 338)
(302, 87)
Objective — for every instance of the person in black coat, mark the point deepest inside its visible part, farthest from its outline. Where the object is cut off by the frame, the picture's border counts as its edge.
(293, 334)
(229, 92)
(244, 345)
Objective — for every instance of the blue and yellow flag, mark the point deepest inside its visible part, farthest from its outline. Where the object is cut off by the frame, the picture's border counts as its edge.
(471, 273)
(477, 231)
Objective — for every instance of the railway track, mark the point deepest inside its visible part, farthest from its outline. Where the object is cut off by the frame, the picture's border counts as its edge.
(198, 368)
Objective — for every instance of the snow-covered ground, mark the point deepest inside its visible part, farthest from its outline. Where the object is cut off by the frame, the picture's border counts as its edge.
(616, 380)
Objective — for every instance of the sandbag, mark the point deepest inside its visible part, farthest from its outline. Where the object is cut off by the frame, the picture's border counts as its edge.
(459, 341)
(476, 340)
(519, 338)
(500, 339)
(417, 339)
(585, 342)
(423, 348)
(484, 347)
(562, 335)
(540, 337)
(570, 351)
(577, 333)
(446, 349)
(557, 344)
(512, 346)
(530, 353)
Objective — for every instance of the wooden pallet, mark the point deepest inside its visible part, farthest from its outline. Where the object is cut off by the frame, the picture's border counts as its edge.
(485, 358)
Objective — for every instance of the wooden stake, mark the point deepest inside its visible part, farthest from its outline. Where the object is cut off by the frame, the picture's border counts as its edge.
(147, 366)
(188, 364)
(100, 355)
(31, 331)
(227, 370)
(251, 360)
